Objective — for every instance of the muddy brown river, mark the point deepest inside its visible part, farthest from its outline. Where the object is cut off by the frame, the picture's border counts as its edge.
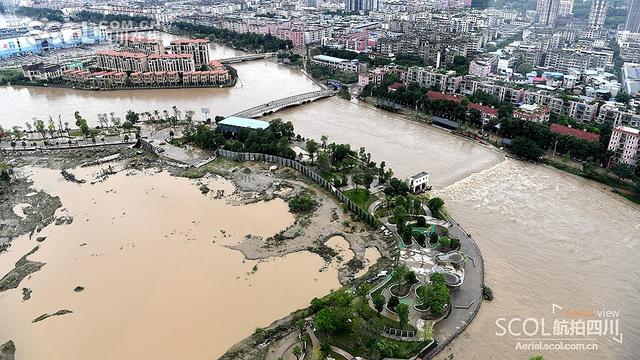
(547, 238)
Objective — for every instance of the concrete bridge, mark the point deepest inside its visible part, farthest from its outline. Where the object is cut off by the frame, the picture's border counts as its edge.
(244, 58)
(280, 104)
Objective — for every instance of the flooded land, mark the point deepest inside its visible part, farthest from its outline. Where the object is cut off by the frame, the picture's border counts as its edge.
(146, 267)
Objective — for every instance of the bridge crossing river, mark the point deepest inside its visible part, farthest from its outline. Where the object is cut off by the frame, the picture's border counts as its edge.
(280, 104)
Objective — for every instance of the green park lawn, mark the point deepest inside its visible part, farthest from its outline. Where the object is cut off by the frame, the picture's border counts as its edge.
(362, 197)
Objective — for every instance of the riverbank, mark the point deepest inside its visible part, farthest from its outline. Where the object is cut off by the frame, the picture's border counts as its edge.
(247, 202)
(616, 186)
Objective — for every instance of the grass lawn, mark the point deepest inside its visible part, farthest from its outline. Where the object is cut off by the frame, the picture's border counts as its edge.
(362, 197)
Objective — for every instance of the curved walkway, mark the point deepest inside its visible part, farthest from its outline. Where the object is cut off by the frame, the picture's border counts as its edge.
(467, 298)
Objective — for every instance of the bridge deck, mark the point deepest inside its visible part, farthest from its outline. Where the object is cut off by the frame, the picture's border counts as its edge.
(283, 103)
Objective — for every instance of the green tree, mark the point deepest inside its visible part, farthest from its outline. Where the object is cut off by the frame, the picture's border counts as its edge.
(435, 205)
(526, 148)
(403, 314)
(393, 302)
(132, 117)
(297, 351)
(323, 140)
(40, 127)
(378, 302)
(312, 148)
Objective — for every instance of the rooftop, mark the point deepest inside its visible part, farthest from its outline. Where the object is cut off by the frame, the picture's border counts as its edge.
(582, 134)
(329, 59)
(244, 123)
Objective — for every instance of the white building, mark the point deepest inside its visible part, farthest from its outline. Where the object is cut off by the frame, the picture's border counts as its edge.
(624, 145)
(419, 182)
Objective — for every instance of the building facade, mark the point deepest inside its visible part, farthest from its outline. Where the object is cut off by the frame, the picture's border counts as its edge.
(122, 61)
(547, 12)
(598, 14)
(633, 17)
(624, 145)
(198, 48)
(171, 62)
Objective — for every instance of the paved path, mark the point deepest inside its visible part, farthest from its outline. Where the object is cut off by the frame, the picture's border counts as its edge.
(470, 292)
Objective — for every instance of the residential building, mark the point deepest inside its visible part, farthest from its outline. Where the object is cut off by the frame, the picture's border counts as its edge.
(618, 116)
(532, 112)
(122, 61)
(340, 64)
(565, 8)
(633, 17)
(171, 62)
(624, 145)
(547, 12)
(447, 81)
(141, 45)
(483, 66)
(631, 78)
(42, 71)
(198, 48)
(598, 14)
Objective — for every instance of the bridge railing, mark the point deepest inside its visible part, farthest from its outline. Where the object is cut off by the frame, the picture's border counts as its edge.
(287, 100)
(245, 156)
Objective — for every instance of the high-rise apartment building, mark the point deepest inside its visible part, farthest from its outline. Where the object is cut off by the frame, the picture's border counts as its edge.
(598, 14)
(633, 17)
(548, 12)
(199, 48)
(565, 8)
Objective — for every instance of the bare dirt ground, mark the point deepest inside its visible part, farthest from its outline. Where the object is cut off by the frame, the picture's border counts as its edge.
(256, 182)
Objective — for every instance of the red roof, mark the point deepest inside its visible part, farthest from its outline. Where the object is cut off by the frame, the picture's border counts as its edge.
(440, 96)
(396, 86)
(484, 109)
(565, 130)
(120, 53)
(189, 41)
(170, 56)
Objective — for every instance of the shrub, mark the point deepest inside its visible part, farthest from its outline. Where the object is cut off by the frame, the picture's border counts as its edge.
(422, 222)
(487, 293)
(422, 238)
(454, 243)
(444, 242)
(411, 277)
(393, 302)
(433, 238)
(302, 203)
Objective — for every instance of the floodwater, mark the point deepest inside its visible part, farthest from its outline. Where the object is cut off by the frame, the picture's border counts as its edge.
(259, 82)
(547, 238)
(160, 283)
(407, 147)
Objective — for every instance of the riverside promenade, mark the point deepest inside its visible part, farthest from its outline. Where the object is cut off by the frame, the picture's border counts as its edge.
(466, 298)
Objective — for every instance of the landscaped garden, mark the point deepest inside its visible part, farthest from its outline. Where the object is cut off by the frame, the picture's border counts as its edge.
(349, 323)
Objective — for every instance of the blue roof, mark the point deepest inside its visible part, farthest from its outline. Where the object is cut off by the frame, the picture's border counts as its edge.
(329, 59)
(245, 123)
